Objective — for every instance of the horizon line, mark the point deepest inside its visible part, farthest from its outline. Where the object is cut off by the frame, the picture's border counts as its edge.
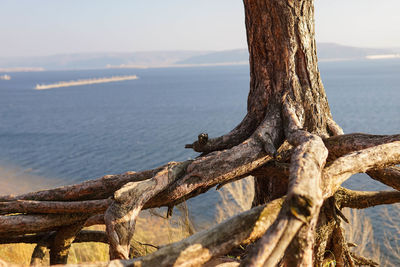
(175, 50)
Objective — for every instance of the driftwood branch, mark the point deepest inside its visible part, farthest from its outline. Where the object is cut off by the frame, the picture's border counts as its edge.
(357, 162)
(105, 187)
(235, 137)
(49, 207)
(62, 241)
(39, 252)
(82, 236)
(333, 127)
(100, 188)
(362, 261)
(203, 246)
(120, 217)
(389, 176)
(95, 220)
(196, 178)
(188, 178)
(341, 145)
(365, 199)
(26, 224)
(219, 240)
(304, 198)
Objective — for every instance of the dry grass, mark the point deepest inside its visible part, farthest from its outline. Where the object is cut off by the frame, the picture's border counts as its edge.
(360, 232)
(392, 233)
(16, 253)
(152, 230)
(87, 252)
(235, 198)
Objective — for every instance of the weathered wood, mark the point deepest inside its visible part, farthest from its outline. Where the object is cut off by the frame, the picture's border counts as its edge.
(62, 241)
(278, 235)
(365, 199)
(105, 187)
(39, 252)
(95, 220)
(270, 182)
(82, 236)
(358, 153)
(240, 133)
(120, 217)
(362, 261)
(199, 248)
(302, 205)
(344, 144)
(26, 224)
(100, 188)
(357, 162)
(205, 245)
(215, 168)
(334, 128)
(340, 249)
(197, 175)
(389, 176)
(219, 240)
(49, 207)
(91, 236)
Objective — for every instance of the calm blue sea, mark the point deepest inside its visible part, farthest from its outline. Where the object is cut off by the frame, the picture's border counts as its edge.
(83, 132)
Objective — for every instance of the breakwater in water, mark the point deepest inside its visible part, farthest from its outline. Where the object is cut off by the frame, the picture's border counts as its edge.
(85, 82)
(5, 77)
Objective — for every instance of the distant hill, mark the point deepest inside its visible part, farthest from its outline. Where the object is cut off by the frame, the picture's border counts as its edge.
(326, 52)
(230, 56)
(332, 51)
(99, 60)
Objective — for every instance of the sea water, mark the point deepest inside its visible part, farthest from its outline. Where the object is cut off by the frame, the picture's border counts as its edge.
(83, 132)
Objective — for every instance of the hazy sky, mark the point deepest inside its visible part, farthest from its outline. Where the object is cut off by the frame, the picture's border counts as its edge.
(45, 27)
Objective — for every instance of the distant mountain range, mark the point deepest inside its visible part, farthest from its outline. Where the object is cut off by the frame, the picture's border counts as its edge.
(326, 52)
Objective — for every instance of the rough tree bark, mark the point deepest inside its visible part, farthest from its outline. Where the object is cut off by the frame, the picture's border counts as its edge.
(288, 141)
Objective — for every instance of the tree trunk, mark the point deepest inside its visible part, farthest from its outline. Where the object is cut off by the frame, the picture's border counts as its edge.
(284, 67)
(283, 64)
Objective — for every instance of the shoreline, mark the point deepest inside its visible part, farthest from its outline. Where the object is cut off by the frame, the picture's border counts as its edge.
(172, 65)
(85, 82)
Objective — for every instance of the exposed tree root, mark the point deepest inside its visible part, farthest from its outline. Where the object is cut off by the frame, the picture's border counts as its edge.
(101, 188)
(82, 236)
(365, 199)
(49, 207)
(26, 224)
(342, 168)
(362, 261)
(389, 176)
(185, 178)
(344, 144)
(39, 252)
(304, 198)
(61, 243)
(297, 213)
(239, 134)
(120, 217)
